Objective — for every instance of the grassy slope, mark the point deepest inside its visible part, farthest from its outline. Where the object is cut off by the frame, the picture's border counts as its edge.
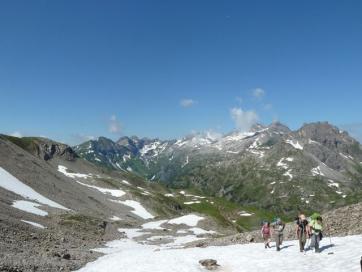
(26, 143)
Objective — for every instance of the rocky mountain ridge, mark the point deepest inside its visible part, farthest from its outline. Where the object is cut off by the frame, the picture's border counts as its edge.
(315, 167)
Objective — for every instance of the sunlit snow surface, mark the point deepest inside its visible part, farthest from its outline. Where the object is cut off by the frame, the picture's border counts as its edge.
(113, 192)
(137, 207)
(190, 220)
(62, 169)
(30, 207)
(156, 225)
(128, 256)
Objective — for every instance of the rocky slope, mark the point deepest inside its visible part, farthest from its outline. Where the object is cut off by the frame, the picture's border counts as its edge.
(58, 206)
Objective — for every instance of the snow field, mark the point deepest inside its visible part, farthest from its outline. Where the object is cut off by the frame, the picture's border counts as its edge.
(127, 255)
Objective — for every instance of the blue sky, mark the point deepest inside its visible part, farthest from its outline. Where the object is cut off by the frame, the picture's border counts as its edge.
(70, 70)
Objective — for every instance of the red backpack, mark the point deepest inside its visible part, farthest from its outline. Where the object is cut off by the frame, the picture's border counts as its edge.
(265, 230)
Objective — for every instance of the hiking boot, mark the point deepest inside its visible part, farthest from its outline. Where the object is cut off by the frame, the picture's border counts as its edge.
(265, 246)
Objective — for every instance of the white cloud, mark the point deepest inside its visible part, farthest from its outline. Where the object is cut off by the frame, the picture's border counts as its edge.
(210, 134)
(213, 135)
(243, 119)
(187, 103)
(16, 134)
(114, 125)
(258, 93)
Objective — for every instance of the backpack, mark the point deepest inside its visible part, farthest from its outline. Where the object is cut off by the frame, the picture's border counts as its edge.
(316, 216)
(316, 228)
(302, 224)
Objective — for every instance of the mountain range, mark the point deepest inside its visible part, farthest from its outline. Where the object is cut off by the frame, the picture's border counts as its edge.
(272, 167)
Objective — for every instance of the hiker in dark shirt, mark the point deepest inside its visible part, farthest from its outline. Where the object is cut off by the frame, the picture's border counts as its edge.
(302, 231)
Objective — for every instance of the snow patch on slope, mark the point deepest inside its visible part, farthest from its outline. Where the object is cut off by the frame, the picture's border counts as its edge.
(296, 145)
(138, 209)
(33, 224)
(282, 164)
(11, 183)
(259, 153)
(332, 183)
(192, 202)
(62, 169)
(30, 207)
(126, 157)
(348, 157)
(238, 136)
(244, 213)
(186, 162)
(169, 195)
(112, 192)
(317, 171)
(199, 231)
(288, 174)
(115, 218)
(155, 225)
(190, 220)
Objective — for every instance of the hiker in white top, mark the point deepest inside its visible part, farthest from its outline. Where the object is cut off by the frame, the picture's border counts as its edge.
(278, 227)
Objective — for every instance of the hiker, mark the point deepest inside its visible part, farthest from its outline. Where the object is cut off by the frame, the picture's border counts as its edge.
(316, 228)
(278, 227)
(302, 231)
(266, 233)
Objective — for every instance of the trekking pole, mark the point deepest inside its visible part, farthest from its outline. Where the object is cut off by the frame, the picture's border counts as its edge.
(329, 234)
(330, 239)
(308, 242)
(306, 245)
